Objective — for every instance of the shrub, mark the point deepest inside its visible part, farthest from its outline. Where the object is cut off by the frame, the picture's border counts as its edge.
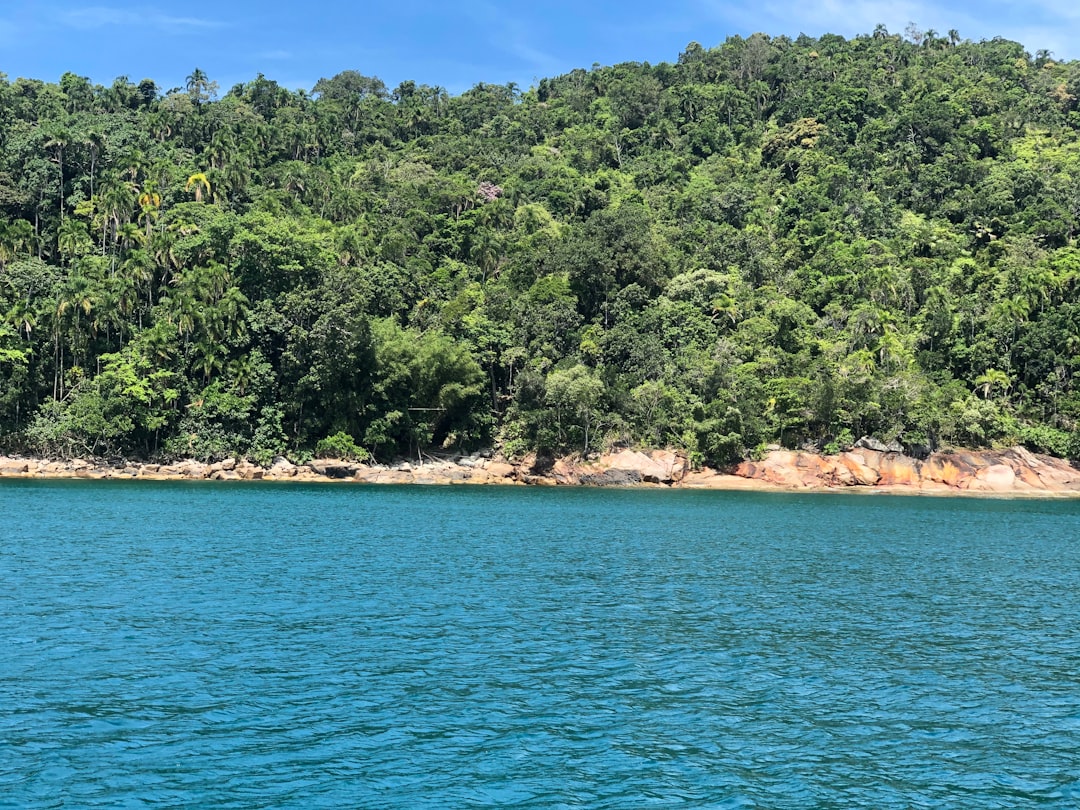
(341, 445)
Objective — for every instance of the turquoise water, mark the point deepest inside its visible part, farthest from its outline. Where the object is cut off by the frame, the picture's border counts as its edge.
(247, 646)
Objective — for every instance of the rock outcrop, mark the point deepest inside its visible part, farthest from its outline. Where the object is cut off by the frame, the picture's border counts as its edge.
(1013, 471)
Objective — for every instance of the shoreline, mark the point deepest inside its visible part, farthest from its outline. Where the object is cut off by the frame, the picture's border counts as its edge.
(1011, 473)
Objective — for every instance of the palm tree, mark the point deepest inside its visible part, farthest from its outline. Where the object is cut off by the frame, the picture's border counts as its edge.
(230, 311)
(1009, 314)
(241, 371)
(130, 235)
(150, 205)
(486, 252)
(77, 299)
(211, 357)
(138, 269)
(134, 162)
(200, 183)
(222, 149)
(96, 143)
(199, 87)
(72, 239)
(163, 252)
(993, 378)
(17, 237)
(160, 124)
(725, 305)
(7, 250)
(117, 199)
(23, 316)
(58, 138)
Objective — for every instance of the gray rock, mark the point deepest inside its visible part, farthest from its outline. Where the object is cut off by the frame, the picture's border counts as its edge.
(611, 478)
(282, 466)
(334, 469)
(870, 443)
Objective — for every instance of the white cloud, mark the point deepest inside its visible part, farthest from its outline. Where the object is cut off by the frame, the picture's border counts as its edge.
(108, 16)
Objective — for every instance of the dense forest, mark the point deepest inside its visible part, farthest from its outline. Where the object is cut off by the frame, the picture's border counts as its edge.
(770, 241)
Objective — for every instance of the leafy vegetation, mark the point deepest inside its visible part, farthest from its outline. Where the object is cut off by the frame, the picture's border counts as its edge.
(794, 241)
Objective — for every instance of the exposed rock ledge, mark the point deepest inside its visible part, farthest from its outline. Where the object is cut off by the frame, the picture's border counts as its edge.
(1014, 471)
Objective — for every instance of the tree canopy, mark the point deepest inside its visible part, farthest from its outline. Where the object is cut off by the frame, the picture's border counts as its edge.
(772, 240)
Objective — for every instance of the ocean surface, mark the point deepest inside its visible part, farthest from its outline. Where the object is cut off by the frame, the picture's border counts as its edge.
(267, 646)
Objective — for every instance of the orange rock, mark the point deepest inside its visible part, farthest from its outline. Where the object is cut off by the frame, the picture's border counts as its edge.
(941, 469)
(897, 469)
(857, 464)
(498, 469)
(563, 472)
(782, 467)
(648, 469)
(995, 478)
(674, 465)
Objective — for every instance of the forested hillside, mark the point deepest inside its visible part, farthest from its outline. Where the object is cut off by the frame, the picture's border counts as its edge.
(768, 241)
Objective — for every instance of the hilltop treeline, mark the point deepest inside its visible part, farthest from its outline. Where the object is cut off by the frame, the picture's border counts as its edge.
(773, 240)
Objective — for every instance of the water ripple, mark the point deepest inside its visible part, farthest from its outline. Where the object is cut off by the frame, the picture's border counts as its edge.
(263, 646)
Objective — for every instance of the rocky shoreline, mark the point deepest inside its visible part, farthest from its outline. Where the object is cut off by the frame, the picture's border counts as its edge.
(1014, 471)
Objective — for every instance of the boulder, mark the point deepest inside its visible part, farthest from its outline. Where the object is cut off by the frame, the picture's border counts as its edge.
(193, 469)
(675, 465)
(249, 472)
(499, 469)
(995, 478)
(395, 476)
(562, 471)
(870, 443)
(778, 467)
(333, 468)
(435, 474)
(283, 467)
(900, 470)
(646, 469)
(841, 474)
(538, 480)
(610, 478)
(10, 466)
(705, 478)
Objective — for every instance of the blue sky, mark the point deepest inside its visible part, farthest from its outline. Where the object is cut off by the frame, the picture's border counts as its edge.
(454, 44)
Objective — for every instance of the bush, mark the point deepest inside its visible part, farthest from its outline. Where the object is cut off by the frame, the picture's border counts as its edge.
(1045, 439)
(269, 438)
(341, 445)
(842, 442)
